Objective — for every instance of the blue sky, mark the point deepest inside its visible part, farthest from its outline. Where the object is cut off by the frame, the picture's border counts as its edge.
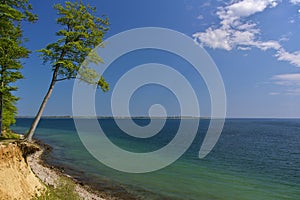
(254, 43)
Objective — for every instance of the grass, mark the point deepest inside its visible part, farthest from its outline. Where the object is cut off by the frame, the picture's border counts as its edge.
(64, 191)
(10, 135)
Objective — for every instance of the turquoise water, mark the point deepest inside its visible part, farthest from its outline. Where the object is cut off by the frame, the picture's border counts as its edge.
(253, 159)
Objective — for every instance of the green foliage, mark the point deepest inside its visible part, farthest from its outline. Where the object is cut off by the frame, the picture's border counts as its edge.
(16, 10)
(64, 191)
(11, 52)
(12, 13)
(82, 32)
(9, 111)
(11, 135)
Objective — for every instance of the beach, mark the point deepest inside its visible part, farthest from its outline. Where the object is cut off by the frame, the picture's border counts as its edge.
(50, 176)
(24, 175)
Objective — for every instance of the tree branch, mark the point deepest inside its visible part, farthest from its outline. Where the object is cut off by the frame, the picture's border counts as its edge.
(62, 79)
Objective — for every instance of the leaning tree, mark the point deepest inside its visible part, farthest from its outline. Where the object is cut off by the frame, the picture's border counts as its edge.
(81, 32)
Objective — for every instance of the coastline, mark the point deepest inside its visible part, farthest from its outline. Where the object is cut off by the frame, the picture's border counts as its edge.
(236, 174)
(49, 174)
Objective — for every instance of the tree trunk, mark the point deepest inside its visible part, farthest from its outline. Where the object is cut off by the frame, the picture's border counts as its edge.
(1, 104)
(42, 107)
(1, 113)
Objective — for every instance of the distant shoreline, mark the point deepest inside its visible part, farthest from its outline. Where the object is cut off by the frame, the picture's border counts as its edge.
(147, 117)
(111, 117)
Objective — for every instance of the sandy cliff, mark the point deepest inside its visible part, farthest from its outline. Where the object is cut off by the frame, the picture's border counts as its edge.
(17, 181)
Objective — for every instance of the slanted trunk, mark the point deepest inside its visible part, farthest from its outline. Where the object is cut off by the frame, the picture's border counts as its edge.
(42, 107)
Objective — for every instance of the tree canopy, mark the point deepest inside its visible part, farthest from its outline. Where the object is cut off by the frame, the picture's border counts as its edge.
(12, 13)
(82, 32)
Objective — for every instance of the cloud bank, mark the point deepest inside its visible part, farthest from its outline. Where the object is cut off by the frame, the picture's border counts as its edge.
(235, 31)
(295, 2)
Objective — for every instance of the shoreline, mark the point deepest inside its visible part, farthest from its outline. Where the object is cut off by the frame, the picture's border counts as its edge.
(50, 175)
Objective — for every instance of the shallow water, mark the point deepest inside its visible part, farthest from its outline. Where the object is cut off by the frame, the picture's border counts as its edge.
(253, 159)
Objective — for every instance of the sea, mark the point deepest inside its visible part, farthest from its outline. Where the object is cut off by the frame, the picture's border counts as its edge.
(254, 159)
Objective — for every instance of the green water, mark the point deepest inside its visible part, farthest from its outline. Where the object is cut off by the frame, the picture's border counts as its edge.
(254, 159)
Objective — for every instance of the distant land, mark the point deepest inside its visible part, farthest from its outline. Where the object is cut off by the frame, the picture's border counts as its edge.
(147, 117)
(111, 117)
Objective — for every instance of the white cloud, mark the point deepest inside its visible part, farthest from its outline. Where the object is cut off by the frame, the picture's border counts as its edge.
(295, 91)
(244, 48)
(217, 38)
(293, 58)
(291, 83)
(232, 31)
(295, 1)
(287, 79)
(200, 17)
(292, 21)
(267, 45)
(235, 31)
(245, 8)
(291, 92)
(286, 37)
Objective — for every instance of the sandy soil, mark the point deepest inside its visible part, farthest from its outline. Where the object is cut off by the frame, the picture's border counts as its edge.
(16, 179)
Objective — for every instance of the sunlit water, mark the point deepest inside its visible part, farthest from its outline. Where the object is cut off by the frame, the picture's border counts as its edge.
(253, 159)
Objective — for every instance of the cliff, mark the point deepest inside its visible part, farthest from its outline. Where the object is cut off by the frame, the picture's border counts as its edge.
(17, 181)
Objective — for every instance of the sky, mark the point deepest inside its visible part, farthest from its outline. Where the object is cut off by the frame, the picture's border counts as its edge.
(254, 44)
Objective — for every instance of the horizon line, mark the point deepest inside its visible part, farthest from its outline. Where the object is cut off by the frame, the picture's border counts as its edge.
(157, 117)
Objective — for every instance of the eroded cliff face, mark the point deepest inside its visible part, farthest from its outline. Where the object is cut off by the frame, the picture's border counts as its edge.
(17, 181)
